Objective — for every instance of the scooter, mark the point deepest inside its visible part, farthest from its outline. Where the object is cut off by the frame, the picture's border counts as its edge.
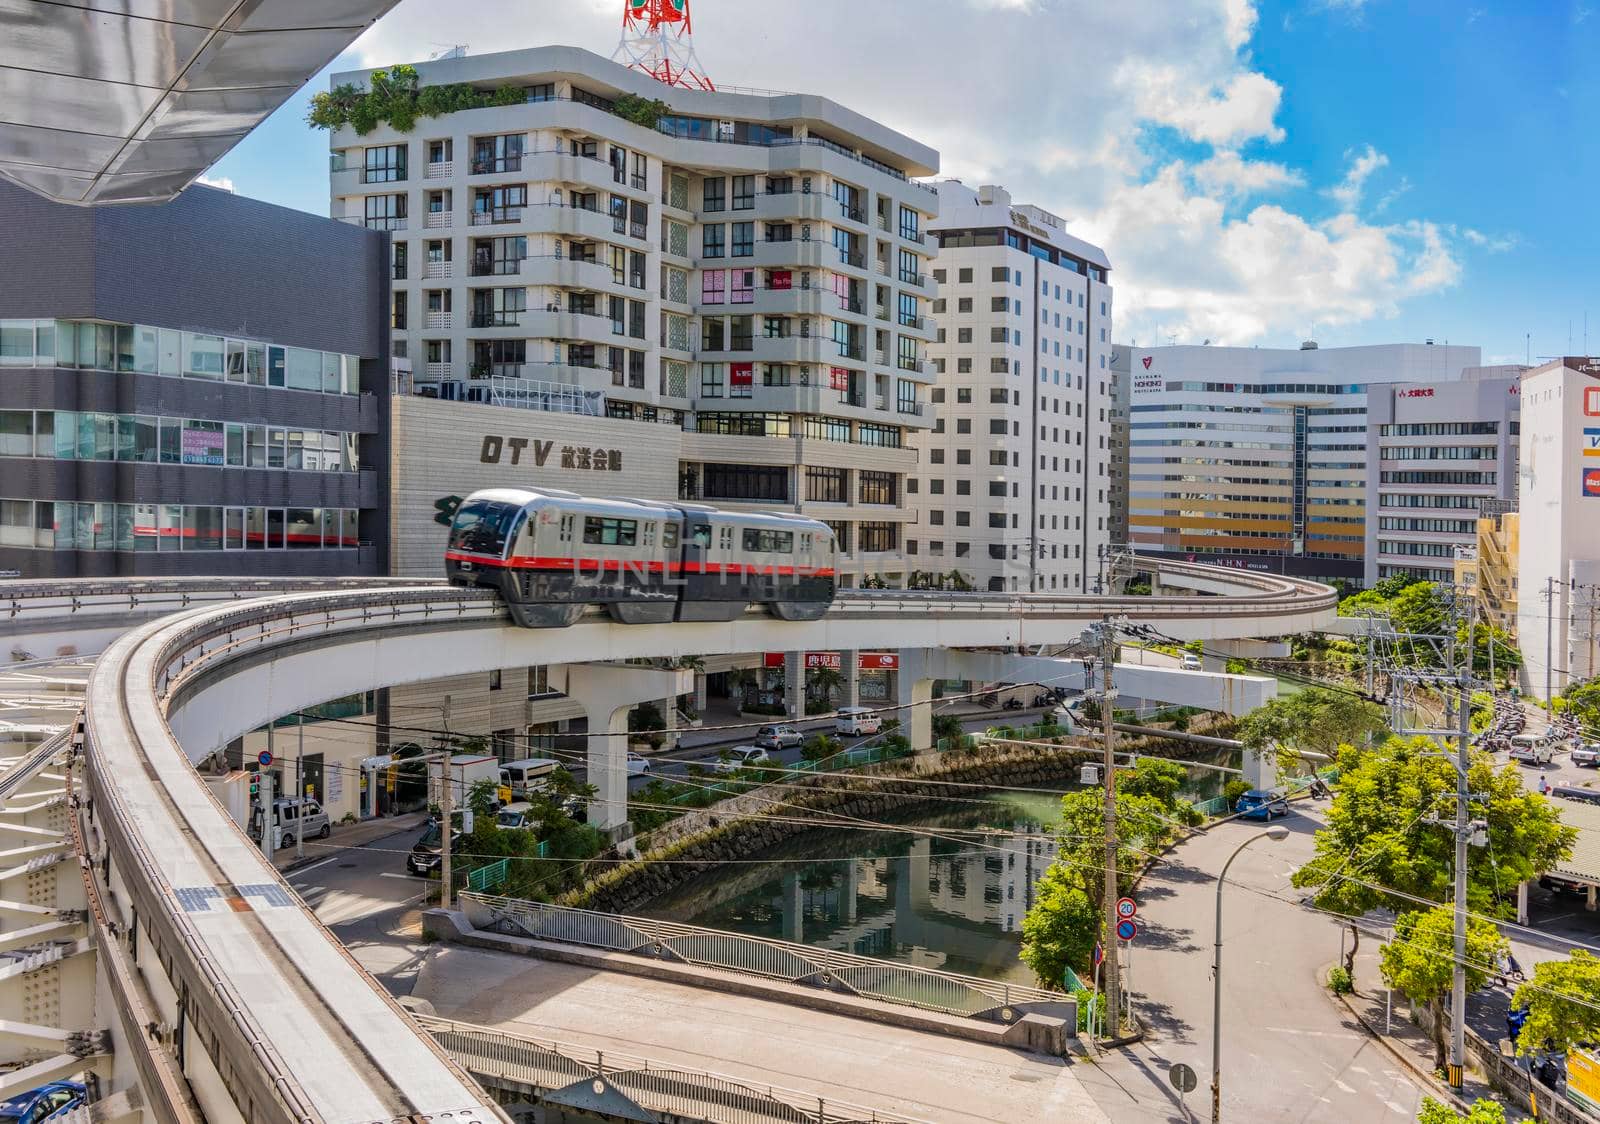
(1013, 703)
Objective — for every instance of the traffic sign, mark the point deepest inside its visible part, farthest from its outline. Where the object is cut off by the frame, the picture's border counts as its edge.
(264, 758)
(1127, 929)
(1099, 953)
(1127, 908)
(1183, 1078)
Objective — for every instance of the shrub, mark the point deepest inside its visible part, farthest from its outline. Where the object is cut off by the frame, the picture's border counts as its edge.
(1234, 789)
(1339, 981)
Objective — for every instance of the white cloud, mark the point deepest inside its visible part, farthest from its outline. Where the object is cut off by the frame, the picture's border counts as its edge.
(1362, 164)
(1494, 243)
(1052, 98)
(222, 182)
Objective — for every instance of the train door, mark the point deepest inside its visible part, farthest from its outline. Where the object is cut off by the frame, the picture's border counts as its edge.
(707, 555)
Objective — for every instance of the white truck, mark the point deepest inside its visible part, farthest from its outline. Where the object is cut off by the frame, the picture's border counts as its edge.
(466, 770)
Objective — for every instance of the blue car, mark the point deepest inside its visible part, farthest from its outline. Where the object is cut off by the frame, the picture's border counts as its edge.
(1260, 804)
(47, 1102)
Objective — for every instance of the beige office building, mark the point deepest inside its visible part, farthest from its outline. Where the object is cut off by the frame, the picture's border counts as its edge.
(732, 298)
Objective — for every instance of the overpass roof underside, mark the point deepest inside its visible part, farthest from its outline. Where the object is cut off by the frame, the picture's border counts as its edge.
(128, 101)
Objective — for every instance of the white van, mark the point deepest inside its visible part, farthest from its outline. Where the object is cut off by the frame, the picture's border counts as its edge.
(530, 775)
(301, 818)
(857, 720)
(1532, 749)
(1189, 661)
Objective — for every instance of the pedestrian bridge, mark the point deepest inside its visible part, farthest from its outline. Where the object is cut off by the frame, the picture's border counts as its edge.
(216, 993)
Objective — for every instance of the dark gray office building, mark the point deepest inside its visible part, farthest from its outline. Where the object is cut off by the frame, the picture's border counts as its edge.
(199, 387)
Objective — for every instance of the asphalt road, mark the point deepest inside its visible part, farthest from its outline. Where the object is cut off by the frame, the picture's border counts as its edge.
(1289, 1054)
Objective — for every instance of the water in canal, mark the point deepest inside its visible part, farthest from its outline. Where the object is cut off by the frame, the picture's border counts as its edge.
(947, 888)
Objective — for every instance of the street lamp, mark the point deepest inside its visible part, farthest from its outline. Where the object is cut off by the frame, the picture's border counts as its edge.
(1275, 833)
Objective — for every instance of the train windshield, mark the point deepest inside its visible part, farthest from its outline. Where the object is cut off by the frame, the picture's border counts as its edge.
(482, 527)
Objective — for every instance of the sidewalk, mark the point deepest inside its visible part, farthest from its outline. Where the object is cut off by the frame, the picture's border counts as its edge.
(345, 836)
(1411, 1045)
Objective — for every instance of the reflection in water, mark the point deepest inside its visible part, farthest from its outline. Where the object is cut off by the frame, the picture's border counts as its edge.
(949, 892)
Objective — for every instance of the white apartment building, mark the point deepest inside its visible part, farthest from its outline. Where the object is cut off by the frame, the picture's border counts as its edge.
(1436, 451)
(750, 270)
(1558, 557)
(1013, 485)
(1257, 457)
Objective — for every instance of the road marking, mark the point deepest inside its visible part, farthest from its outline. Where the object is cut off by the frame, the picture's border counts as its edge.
(1397, 1108)
(1343, 1088)
(1313, 1033)
(313, 866)
(394, 874)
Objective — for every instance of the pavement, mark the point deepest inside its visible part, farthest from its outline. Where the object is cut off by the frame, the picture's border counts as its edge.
(1289, 1054)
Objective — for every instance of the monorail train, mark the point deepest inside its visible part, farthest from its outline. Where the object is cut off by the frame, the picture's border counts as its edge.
(551, 553)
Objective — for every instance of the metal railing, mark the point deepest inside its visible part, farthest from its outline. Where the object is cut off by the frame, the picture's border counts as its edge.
(900, 984)
(687, 1094)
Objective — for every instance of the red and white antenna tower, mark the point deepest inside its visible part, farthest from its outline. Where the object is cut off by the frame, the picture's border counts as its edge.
(658, 39)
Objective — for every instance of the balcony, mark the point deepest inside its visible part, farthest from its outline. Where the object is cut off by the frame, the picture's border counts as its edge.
(503, 318)
(914, 409)
(776, 255)
(913, 322)
(909, 278)
(915, 236)
(437, 220)
(495, 165)
(908, 363)
(436, 319)
(559, 324)
(880, 312)
(483, 266)
(797, 206)
(850, 351)
(564, 167)
(851, 214)
(439, 170)
(437, 371)
(496, 216)
(569, 273)
(438, 269)
(852, 258)
(376, 223)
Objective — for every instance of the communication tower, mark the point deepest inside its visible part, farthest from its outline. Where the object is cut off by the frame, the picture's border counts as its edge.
(657, 38)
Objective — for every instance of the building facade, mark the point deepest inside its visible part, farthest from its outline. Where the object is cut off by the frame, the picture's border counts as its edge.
(195, 388)
(1256, 457)
(1013, 489)
(1117, 470)
(1558, 541)
(1436, 453)
(750, 270)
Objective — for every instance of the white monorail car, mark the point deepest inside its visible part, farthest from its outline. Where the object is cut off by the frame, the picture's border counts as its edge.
(550, 553)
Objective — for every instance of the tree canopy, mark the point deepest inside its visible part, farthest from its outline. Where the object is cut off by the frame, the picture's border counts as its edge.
(1563, 1002)
(1420, 961)
(1315, 719)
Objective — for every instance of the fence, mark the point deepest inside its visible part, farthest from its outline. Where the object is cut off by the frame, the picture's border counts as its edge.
(845, 759)
(562, 1074)
(945, 992)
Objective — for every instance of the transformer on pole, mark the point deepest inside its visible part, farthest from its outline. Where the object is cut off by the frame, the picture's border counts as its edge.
(658, 39)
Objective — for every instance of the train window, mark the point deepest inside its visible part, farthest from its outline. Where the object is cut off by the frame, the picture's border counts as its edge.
(649, 534)
(609, 532)
(702, 535)
(566, 528)
(769, 542)
(669, 535)
(805, 544)
(725, 538)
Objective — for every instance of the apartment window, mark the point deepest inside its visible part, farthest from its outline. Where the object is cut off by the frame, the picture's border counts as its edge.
(909, 273)
(936, 487)
(712, 286)
(398, 260)
(908, 224)
(827, 485)
(744, 193)
(999, 304)
(998, 335)
(963, 304)
(963, 456)
(877, 538)
(712, 378)
(715, 195)
(939, 276)
(385, 212)
(964, 277)
(963, 519)
(712, 240)
(877, 487)
(397, 310)
(744, 238)
(384, 164)
(997, 458)
(997, 488)
(905, 396)
(743, 285)
(964, 335)
(1002, 274)
(745, 482)
(963, 366)
(936, 518)
(964, 425)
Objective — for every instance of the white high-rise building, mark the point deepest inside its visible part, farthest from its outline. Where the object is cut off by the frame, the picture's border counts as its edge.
(1013, 487)
(587, 242)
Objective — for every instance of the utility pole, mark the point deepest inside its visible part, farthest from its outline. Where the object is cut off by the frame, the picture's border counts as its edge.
(446, 800)
(300, 792)
(1549, 633)
(269, 825)
(1458, 982)
(1108, 695)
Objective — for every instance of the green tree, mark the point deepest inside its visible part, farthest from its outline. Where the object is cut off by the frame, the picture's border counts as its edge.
(1154, 778)
(1315, 719)
(1483, 1111)
(1420, 961)
(1378, 849)
(823, 682)
(1060, 930)
(947, 726)
(1563, 1002)
(483, 798)
(819, 746)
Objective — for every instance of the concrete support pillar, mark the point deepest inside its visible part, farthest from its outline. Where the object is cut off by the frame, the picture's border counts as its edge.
(607, 692)
(1522, 903)
(700, 693)
(794, 684)
(1589, 899)
(915, 696)
(669, 713)
(1260, 770)
(794, 908)
(850, 668)
(847, 893)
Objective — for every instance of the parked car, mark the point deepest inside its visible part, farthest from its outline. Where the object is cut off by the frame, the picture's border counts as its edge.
(1189, 662)
(779, 737)
(47, 1102)
(517, 817)
(1586, 753)
(1532, 749)
(1558, 885)
(637, 766)
(427, 853)
(742, 757)
(1261, 804)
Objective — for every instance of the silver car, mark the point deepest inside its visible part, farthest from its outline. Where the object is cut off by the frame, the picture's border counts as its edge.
(1586, 753)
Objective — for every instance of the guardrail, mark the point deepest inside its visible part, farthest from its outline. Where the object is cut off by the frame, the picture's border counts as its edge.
(553, 1068)
(948, 993)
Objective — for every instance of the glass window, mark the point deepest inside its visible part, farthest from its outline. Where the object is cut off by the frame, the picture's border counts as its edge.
(275, 448)
(16, 433)
(348, 522)
(171, 440)
(330, 526)
(304, 369)
(202, 528)
(351, 366)
(204, 356)
(66, 435)
(203, 443)
(169, 531)
(233, 528)
(44, 434)
(255, 364)
(235, 445)
(255, 438)
(235, 361)
(16, 343)
(275, 525)
(16, 523)
(255, 528)
(294, 456)
(276, 363)
(332, 372)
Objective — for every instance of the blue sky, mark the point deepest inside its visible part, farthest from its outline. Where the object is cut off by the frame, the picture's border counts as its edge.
(1359, 172)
